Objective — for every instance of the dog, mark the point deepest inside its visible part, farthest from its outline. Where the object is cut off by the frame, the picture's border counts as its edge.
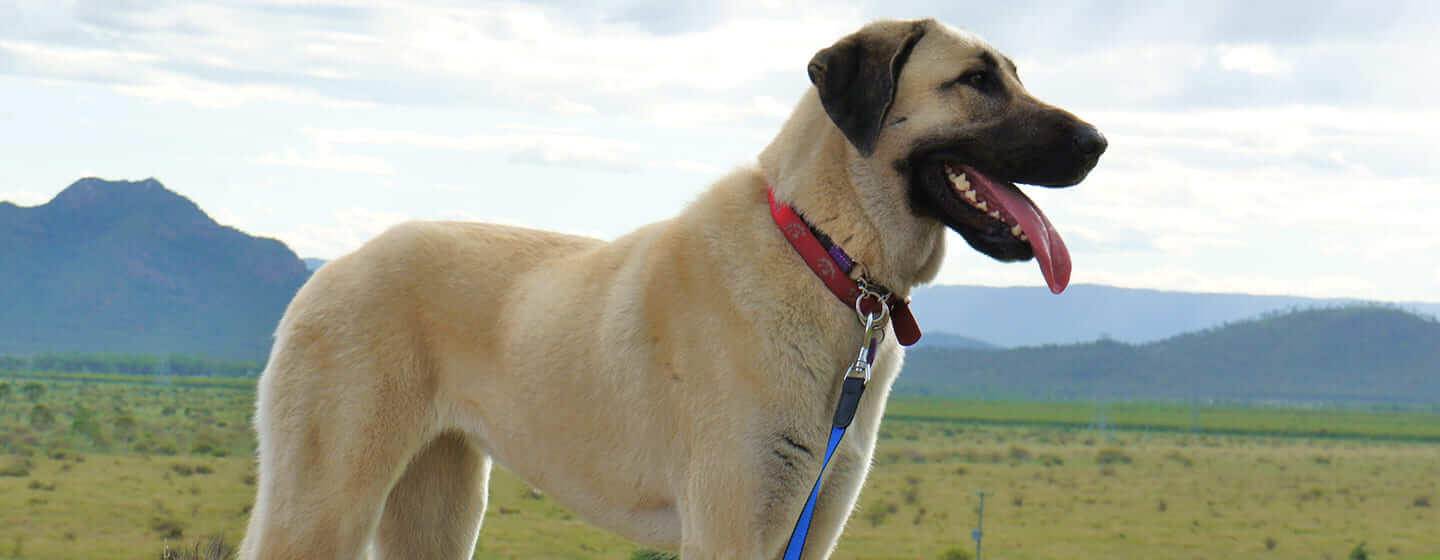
(675, 385)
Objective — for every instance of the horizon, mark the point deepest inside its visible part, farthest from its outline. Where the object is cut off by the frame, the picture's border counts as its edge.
(1281, 149)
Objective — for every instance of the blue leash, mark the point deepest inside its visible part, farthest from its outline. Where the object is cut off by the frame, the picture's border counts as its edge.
(844, 413)
(855, 381)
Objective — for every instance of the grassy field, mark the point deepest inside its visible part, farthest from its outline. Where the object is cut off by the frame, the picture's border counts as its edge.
(117, 470)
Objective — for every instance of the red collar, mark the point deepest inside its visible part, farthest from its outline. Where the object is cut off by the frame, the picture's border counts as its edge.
(836, 276)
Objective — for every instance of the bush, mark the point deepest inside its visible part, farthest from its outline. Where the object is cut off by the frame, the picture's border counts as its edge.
(41, 418)
(33, 391)
(214, 548)
(1180, 458)
(644, 554)
(15, 466)
(1112, 456)
(166, 448)
(877, 513)
(1359, 552)
(167, 527)
(1422, 501)
(955, 553)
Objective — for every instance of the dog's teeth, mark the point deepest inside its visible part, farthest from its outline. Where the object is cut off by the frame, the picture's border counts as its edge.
(959, 180)
(982, 205)
(995, 214)
(1024, 237)
(1017, 231)
(970, 195)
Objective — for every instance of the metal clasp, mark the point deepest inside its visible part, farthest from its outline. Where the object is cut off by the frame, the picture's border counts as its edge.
(874, 333)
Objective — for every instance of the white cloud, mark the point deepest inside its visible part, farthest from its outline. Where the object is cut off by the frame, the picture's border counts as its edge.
(346, 230)
(524, 144)
(24, 197)
(1255, 59)
(328, 159)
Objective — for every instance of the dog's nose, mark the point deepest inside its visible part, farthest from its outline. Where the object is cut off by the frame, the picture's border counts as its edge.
(1089, 142)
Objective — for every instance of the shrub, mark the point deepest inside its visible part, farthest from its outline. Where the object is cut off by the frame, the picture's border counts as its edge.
(1359, 552)
(1051, 460)
(1112, 456)
(1270, 543)
(1180, 458)
(877, 513)
(182, 469)
(1019, 454)
(644, 554)
(214, 548)
(166, 448)
(955, 553)
(167, 527)
(15, 466)
(41, 418)
(1422, 501)
(125, 428)
(204, 469)
(33, 391)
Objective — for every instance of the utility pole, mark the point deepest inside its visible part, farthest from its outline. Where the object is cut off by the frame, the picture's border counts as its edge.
(980, 528)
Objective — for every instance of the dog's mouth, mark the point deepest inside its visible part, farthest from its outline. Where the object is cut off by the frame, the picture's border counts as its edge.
(995, 218)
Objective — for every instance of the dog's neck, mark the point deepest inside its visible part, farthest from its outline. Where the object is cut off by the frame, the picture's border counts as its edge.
(815, 169)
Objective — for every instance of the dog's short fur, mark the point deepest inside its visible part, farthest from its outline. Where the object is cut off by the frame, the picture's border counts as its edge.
(674, 386)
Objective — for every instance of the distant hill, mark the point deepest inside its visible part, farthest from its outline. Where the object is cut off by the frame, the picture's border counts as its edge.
(1088, 312)
(120, 266)
(947, 340)
(313, 264)
(1349, 353)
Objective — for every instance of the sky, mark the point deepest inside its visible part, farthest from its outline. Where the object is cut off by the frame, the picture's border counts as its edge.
(1264, 147)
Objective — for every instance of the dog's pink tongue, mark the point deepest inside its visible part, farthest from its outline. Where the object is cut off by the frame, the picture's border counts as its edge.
(1049, 248)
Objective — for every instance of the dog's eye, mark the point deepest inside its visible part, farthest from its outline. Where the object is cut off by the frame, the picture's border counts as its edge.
(978, 79)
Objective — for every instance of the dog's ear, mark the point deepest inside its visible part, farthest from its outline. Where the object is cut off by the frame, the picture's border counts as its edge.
(856, 77)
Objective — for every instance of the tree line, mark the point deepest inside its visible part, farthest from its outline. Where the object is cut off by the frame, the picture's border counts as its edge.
(130, 364)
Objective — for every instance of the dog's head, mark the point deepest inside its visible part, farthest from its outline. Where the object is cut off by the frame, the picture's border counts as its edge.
(942, 116)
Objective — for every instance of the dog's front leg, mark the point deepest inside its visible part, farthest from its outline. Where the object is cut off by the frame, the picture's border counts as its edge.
(843, 479)
(720, 511)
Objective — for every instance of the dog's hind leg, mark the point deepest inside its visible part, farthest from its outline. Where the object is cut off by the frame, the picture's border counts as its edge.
(328, 459)
(435, 510)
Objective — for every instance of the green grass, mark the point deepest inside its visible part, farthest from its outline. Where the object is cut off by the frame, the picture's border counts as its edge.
(1400, 425)
(126, 464)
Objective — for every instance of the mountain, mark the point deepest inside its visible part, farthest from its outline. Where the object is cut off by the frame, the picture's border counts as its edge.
(1346, 353)
(120, 266)
(313, 264)
(947, 340)
(1087, 312)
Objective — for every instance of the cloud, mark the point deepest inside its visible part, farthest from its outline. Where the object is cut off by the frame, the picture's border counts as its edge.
(1254, 59)
(24, 197)
(523, 144)
(326, 158)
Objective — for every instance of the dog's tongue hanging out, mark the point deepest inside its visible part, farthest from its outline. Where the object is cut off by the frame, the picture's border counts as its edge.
(1017, 209)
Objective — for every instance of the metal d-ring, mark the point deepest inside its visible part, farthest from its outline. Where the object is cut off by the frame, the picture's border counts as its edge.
(879, 322)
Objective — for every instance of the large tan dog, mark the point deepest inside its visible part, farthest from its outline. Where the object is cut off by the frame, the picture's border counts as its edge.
(676, 385)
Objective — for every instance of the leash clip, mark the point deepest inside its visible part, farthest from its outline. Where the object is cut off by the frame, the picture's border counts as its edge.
(874, 333)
